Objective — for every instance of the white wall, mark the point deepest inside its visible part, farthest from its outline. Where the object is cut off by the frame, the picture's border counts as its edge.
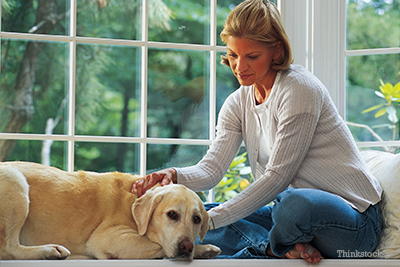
(317, 31)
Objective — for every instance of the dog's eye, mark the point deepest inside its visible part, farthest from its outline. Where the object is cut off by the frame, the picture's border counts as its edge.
(196, 219)
(173, 215)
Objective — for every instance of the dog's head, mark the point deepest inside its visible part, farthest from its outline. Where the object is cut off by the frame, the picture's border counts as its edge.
(172, 216)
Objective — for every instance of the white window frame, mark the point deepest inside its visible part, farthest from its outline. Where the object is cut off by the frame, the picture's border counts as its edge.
(144, 44)
(316, 29)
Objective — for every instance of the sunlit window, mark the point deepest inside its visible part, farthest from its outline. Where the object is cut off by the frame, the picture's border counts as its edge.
(373, 72)
(105, 85)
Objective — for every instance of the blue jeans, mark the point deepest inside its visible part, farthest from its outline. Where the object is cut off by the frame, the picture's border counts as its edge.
(300, 215)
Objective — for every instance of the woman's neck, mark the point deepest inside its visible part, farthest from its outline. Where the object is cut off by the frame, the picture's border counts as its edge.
(263, 90)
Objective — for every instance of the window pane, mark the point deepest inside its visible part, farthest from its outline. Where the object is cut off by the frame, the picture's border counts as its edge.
(160, 156)
(107, 90)
(373, 24)
(33, 16)
(226, 82)
(364, 75)
(178, 100)
(52, 153)
(179, 21)
(106, 157)
(114, 19)
(34, 87)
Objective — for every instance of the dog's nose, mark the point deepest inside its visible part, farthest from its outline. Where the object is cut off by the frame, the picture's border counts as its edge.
(185, 247)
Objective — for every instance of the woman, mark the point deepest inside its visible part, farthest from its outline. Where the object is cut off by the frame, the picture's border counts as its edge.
(301, 153)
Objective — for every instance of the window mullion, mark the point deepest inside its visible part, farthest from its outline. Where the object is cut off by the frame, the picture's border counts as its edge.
(144, 83)
(71, 90)
(213, 79)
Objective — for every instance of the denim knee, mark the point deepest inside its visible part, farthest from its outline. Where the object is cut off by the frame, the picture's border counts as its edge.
(292, 205)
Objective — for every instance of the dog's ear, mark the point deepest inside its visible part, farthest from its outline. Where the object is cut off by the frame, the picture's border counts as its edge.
(204, 225)
(143, 209)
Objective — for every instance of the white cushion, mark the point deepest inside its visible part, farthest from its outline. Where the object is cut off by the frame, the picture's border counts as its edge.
(386, 168)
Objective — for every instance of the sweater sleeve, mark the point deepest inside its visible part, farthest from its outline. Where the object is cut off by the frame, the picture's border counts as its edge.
(211, 169)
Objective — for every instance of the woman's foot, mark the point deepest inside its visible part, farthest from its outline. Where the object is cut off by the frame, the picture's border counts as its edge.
(300, 251)
(304, 251)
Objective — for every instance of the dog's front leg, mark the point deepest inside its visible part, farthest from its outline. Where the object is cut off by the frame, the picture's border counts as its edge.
(206, 251)
(14, 208)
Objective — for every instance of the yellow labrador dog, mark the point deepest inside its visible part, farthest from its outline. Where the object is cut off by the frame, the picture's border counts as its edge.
(46, 213)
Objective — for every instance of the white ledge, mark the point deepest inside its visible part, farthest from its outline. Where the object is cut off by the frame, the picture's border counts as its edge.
(200, 263)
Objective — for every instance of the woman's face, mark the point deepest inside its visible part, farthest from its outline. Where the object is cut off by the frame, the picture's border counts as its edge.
(250, 61)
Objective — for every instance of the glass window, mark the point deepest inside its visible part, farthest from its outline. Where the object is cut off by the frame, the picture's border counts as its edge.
(373, 24)
(179, 21)
(226, 82)
(108, 86)
(107, 157)
(178, 95)
(115, 19)
(373, 88)
(48, 152)
(33, 16)
(34, 86)
(160, 156)
(93, 89)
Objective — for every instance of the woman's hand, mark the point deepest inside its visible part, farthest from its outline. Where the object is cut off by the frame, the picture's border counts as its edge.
(164, 177)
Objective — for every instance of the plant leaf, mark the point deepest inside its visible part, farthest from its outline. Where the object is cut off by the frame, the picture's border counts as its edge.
(372, 108)
(245, 171)
(381, 82)
(396, 88)
(379, 94)
(387, 89)
(238, 160)
(381, 112)
(244, 183)
(231, 194)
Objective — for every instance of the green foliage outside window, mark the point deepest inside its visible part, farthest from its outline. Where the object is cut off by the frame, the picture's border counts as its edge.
(390, 107)
(236, 179)
(372, 24)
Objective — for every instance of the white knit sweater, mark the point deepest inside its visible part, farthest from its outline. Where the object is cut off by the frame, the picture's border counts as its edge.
(312, 148)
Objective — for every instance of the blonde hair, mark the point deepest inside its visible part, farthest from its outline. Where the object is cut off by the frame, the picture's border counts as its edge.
(260, 21)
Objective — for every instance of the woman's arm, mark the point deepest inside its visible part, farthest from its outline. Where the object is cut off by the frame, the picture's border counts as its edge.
(211, 169)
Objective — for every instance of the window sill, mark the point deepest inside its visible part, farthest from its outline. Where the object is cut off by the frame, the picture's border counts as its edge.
(200, 263)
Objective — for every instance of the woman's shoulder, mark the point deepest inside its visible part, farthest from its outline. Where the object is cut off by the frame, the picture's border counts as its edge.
(296, 73)
(300, 91)
(237, 102)
(298, 78)
(241, 95)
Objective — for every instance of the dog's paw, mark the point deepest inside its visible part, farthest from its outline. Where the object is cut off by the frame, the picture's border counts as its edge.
(55, 252)
(206, 251)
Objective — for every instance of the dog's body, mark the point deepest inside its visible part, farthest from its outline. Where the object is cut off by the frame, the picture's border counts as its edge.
(46, 213)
